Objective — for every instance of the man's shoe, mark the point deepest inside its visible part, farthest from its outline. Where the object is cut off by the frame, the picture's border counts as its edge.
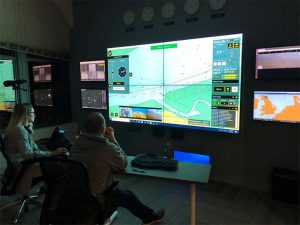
(156, 217)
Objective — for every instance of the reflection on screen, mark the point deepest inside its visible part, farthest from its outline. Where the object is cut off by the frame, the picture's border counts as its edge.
(42, 73)
(7, 94)
(92, 70)
(43, 97)
(277, 106)
(191, 83)
(93, 99)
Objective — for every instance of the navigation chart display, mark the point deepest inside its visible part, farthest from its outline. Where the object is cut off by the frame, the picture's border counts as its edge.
(277, 106)
(193, 83)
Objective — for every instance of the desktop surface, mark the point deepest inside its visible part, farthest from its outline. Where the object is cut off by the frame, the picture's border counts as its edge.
(189, 172)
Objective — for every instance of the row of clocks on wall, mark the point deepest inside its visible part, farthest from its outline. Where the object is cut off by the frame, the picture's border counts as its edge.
(168, 10)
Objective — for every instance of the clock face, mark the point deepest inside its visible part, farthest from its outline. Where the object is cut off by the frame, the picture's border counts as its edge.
(168, 10)
(129, 17)
(217, 4)
(148, 14)
(191, 6)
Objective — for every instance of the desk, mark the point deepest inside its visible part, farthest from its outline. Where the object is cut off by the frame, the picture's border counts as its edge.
(187, 172)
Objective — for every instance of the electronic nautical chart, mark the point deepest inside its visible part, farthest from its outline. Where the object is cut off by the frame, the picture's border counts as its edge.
(190, 83)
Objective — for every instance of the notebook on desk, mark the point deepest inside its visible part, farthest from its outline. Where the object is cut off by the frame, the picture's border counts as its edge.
(153, 161)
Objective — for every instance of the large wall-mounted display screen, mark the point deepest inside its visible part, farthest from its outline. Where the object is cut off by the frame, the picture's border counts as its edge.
(93, 99)
(277, 106)
(42, 73)
(193, 83)
(92, 70)
(7, 94)
(278, 63)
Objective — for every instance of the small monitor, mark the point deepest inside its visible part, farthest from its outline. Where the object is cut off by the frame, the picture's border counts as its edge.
(93, 99)
(43, 97)
(92, 70)
(277, 106)
(42, 73)
(278, 63)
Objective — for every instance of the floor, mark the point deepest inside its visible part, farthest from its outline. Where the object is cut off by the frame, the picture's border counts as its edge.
(217, 203)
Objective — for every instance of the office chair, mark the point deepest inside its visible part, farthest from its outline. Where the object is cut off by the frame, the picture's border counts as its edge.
(69, 199)
(11, 179)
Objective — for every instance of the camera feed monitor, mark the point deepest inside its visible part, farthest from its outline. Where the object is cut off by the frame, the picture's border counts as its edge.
(193, 83)
(277, 106)
(43, 97)
(278, 63)
(42, 73)
(93, 99)
(92, 70)
(7, 94)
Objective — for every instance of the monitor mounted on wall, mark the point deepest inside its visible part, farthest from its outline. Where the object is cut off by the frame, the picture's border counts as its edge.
(42, 73)
(277, 106)
(92, 70)
(194, 83)
(278, 63)
(7, 94)
(43, 97)
(93, 99)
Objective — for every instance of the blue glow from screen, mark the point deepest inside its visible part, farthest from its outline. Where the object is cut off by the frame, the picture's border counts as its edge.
(191, 157)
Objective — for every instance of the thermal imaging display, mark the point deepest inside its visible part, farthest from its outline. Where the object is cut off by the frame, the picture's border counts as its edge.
(93, 99)
(43, 97)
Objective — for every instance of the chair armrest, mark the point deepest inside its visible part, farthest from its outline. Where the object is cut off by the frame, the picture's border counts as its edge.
(112, 187)
(31, 161)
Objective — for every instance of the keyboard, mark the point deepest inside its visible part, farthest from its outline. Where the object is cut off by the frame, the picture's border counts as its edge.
(153, 161)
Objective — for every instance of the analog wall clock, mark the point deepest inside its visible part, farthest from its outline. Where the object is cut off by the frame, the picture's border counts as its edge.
(191, 6)
(168, 10)
(217, 4)
(148, 13)
(129, 17)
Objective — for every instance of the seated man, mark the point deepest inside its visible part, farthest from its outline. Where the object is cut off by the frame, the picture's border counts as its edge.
(102, 155)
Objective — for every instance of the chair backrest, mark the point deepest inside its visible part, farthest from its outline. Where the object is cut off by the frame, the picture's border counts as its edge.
(69, 199)
(8, 186)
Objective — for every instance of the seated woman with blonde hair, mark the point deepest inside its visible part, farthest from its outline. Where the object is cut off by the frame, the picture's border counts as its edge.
(20, 146)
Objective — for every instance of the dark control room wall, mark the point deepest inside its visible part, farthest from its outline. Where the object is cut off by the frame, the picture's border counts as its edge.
(245, 159)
